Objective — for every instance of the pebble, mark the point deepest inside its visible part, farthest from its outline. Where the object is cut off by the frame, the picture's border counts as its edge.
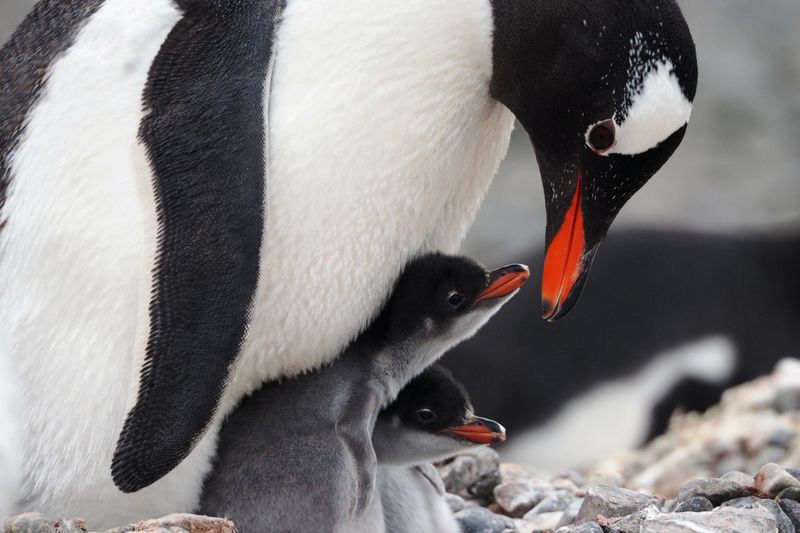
(588, 527)
(571, 512)
(542, 521)
(789, 493)
(792, 510)
(633, 522)
(784, 523)
(787, 399)
(781, 437)
(611, 502)
(70, 526)
(741, 478)
(715, 489)
(558, 501)
(483, 487)
(459, 474)
(771, 479)
(695, 504)
(745, 502)
(516, 498)
(794, 472)
(28, 523)
(480, 520)
(719, 520)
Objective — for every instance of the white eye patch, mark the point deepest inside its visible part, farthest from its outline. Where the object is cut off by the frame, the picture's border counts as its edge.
(658, 109)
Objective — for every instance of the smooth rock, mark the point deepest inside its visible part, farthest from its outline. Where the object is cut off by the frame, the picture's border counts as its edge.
(480, 520)
(715, 489)
(483, 487)
(633, 522)
(516, 498)
(573, 475)
(789, 493)
(513, 472)
(725, 519)
(745, 502)
(612, 502)
(792, 510)
(558, 501)
(784, 523)
(459, 474)
(787, 399)
(571, 512)
(28, 523)
(771, 479)
(455, 502)
(696, 504)
(741, 478)
(781, 437)
(588, 527)
(605, 477)
(542, 521)
(794, 472)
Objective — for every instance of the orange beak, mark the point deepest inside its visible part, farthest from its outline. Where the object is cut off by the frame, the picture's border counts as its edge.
(565, 262)
(480, 431)
(504, 281)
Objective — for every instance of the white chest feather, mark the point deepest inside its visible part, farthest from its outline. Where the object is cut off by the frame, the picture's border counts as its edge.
(382, 145)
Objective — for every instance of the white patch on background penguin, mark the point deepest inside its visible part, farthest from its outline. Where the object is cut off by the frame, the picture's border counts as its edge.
(75, 249)
(614, 416)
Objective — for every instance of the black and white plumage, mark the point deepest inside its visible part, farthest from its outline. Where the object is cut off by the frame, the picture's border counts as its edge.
(432, 419)
(297, 455)
(191, 186)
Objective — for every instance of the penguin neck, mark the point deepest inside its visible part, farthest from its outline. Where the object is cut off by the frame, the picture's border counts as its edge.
(399, 445)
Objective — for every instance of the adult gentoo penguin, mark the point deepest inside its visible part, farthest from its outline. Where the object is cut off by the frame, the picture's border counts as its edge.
(201, 195)
(298, 456)
(431, 420)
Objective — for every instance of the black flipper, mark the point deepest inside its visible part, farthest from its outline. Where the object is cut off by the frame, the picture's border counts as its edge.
(205, 137)
(355, 430)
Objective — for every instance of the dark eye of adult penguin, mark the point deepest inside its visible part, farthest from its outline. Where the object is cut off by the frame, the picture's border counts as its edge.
(608, 103)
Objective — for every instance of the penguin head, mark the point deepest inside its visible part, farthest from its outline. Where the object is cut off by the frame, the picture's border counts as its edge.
(604, 90)
(431, 419)
(442, 300)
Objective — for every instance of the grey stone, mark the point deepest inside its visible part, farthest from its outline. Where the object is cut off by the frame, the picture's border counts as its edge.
(745, 502)
(725, 519)
(794, 472)
(455, 502)
(70, 526)
(571, 512)
(573, 475)
(542, 521)
(784, 523)
(459, 474)
(633, 522)
(771, 479)
(612, 502)
(588, 527)
(696, 504)
(715, 489)
(483, 487)
(28, 523)
(787, 399)
(558, 501)
(518, 497)
(792, 510)
(480, 520)
(789, 493)
(741, 478)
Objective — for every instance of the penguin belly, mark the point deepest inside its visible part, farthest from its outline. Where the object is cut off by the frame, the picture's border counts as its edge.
(358, 182)
(411, 503)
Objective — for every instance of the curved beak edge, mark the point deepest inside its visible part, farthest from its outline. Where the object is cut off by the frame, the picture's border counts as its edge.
(504, 281)
(480, 431)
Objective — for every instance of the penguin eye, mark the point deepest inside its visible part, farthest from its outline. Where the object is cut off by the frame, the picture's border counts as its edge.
(426, 416)
(601, 136)
(454, 298)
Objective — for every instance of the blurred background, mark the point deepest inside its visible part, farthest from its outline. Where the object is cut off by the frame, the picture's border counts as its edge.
(696, 287)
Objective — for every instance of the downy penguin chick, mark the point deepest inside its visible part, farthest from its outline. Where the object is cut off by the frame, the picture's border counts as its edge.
(298, 455)
(431, 420)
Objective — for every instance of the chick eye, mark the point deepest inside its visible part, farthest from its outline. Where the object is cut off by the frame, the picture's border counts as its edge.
(601, 136)
(454, 298)
(426, 416)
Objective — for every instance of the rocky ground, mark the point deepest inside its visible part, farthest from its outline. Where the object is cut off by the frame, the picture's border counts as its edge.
(729, 469)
